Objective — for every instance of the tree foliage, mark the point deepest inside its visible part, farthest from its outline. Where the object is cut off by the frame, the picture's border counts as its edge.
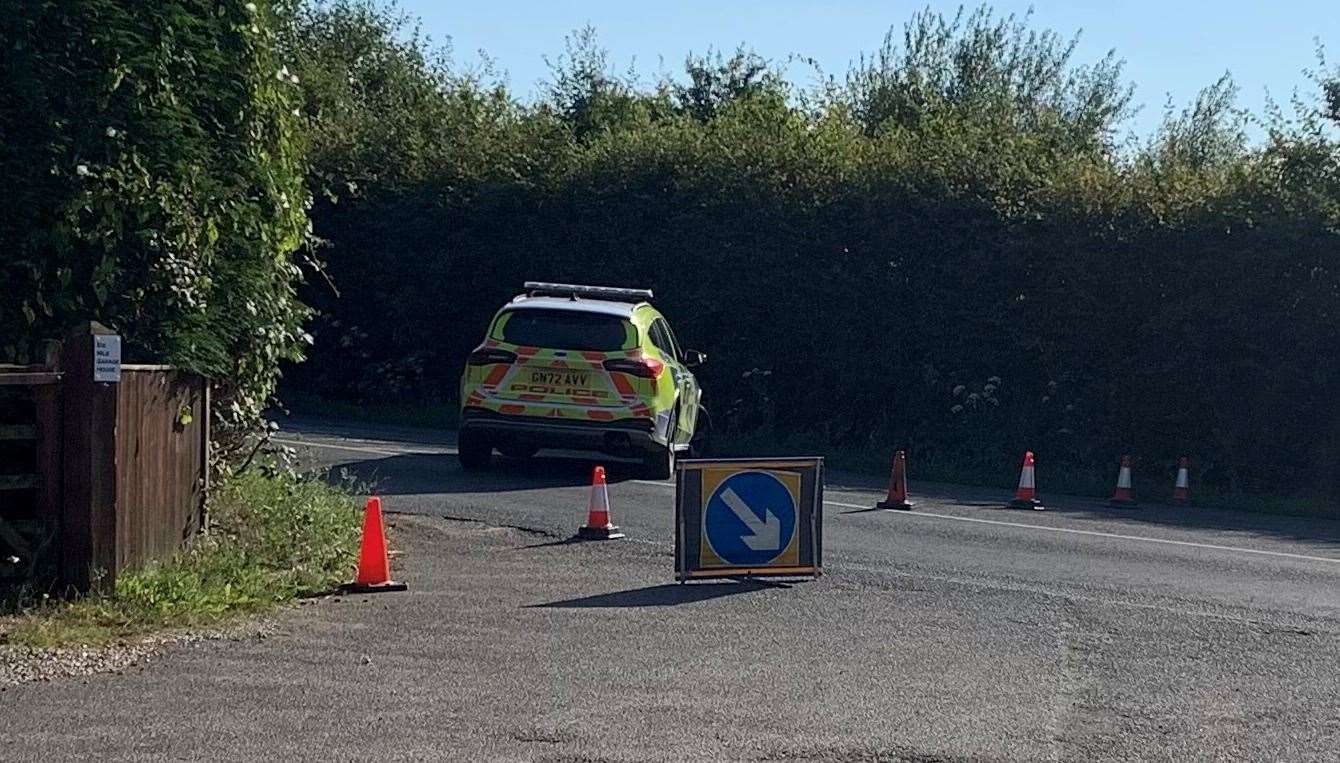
(947, 248)
(156, 182)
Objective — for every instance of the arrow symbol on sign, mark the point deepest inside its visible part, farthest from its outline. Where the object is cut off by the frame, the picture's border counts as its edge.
(765, 534)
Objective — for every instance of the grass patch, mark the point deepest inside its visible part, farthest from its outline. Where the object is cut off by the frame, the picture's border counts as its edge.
(434, 414)
(271, 539)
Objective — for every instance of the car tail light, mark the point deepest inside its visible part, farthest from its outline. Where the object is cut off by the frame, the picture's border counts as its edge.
(646, 368)
(490, 356)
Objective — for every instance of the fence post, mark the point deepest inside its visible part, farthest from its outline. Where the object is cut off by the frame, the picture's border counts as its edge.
(50, 468)
(88, 511)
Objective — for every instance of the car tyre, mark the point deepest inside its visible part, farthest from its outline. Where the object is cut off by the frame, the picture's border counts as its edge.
(474, 451)
(701, 443)
(659, 465)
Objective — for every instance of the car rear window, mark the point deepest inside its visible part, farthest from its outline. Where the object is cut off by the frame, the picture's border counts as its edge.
(564, 330)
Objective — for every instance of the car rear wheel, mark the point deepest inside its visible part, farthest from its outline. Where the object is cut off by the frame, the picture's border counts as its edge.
(474, 451)
(659, 465)
(700, 444)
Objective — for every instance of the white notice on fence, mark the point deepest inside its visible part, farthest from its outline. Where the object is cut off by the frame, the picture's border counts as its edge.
(106, 358)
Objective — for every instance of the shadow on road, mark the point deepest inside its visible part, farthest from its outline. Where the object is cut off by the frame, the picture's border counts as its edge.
(423, 473)
(991, 502)
(552, 543)
(408, 435)
(431, 473)
(1229, 522)
(666, 595)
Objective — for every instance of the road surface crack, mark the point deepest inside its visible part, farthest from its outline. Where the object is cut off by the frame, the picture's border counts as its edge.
(1078, 718)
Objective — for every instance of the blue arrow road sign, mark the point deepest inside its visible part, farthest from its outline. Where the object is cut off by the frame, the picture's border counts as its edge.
(750, 519)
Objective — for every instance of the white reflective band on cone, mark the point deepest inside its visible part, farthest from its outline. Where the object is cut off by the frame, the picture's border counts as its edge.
(600, 499)
(1124, 478)
(1026, 477)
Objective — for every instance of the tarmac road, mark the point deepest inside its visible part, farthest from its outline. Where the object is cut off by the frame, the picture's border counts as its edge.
(1160, 555)
(957, 631)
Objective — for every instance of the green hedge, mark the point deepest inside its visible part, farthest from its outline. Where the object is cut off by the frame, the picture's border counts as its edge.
(952, 249)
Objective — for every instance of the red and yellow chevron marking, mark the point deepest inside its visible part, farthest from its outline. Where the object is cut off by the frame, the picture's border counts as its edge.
(496, 374)
(624, 386)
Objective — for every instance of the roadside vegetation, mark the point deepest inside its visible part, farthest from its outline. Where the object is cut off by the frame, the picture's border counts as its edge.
(157, 168)
(157, 158)
(271, 538)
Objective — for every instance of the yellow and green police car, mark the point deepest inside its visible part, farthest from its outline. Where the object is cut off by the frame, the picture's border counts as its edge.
(587, 368)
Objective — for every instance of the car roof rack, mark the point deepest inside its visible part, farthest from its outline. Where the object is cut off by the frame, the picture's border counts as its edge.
(575, 291)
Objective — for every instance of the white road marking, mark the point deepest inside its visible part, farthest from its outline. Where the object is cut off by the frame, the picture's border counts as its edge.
(1095, 533)
(317, 444)
(1072, 531)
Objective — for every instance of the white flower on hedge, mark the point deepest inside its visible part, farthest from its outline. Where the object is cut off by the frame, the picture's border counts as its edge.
(282, 75)
(251, 7)
(111, 132)
(81, 170)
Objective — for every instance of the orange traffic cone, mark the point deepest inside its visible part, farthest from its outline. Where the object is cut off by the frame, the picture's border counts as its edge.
(1026, 496)
(1182, 489)
(598, 525)
(897, 485)
(1122, 496)
(374, 562)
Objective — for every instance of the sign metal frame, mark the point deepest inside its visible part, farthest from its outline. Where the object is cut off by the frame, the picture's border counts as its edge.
(690, 506)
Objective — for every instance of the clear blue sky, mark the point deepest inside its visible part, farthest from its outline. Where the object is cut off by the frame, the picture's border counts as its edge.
(1172, 48)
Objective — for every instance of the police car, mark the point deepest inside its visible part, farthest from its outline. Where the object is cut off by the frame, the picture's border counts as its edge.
(582, 368)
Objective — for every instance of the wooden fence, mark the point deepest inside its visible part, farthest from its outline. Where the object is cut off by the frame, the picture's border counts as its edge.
(30, 476)
(162, 463)
(97, 477)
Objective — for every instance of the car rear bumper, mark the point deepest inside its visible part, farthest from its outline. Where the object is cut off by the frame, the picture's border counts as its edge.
(631, 436)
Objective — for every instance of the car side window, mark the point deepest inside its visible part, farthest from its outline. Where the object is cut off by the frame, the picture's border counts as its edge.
(670, 335)
(660, 336)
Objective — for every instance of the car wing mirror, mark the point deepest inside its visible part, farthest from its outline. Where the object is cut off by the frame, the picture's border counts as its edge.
(694, 358)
